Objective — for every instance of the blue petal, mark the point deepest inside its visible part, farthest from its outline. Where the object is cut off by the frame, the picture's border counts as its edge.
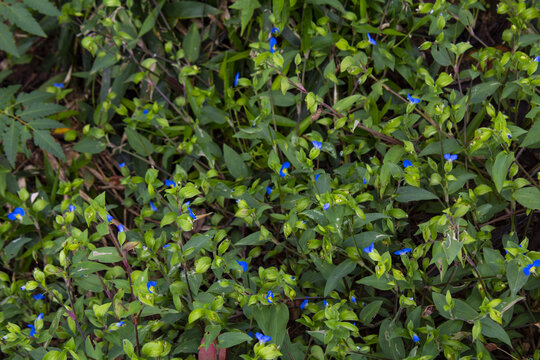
(121, 228)
(325, 303)
(153, 206)
(285, 166)
(71, 208)
(145, 111)
(268, 190)
(273, 43)
(236, 77)
(270, 296)
(326, 206)
(150, 285)
(527, 269)
(369, 248)
(536, 263)
(413, 100)
(109, 218)
(353, 299)
(38, 297)
(274, 30)
(317, 144)
(406, 164)
(537, 59)
(58, 85)
(317, 177)
(170, 183)
(371, 40)
(243, 264)
(122, 164)
(403, 251)
(304, 304)
(416, 338)
(40, 316)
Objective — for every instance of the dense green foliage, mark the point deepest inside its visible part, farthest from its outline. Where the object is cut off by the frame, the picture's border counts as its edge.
(353, 180)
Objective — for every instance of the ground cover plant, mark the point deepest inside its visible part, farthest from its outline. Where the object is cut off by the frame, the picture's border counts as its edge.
(269, 179)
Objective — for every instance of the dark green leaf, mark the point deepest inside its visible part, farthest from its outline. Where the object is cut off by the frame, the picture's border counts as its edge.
(516, 278)
(148, 23)
(234, 163)
(43, 6)
(246, 8)
(481, 92)
(45, 141)
(339, 272)
(39, 110)
(11, 141)
(45, 124)
(500, 168)
(7, 43)
(391, 344)
(532, 140)
(13, 248)
(19, 15)
(528, 197)
(90, 146)
(192, 43)
(188, 10)
(493, 330)
(230, 339)
(273, 321)
(370, 311)
(139, 143)
(411, 193)
(106, 254)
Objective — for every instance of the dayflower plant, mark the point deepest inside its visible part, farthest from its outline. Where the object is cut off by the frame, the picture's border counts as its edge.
(450, 157)
(243, 264)
(284, 167)
(33, 332)
(413, 100)
(274, 30)
(170, 183)
(531, 267)
(403, 251)
(371, 40)
(17, 213)
(262, 338)
(270, 296)
(317, 144)
(151, 285)
(273, 43)
(369, 248)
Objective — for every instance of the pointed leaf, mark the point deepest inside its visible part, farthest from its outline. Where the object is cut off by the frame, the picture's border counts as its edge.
(39, 110)
(7, 43)
(192, 43)
(500, 168)
(11, 142)
(45, 141)
(18, 14)
(234, 163)
(528, 197)
(339, 273)
(43, 6)
(139, 143)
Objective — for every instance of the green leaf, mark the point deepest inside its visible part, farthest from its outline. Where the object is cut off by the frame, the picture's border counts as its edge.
(246, 8)
(18, 14)
(89, 146)
(233, 338)
(333, 3)
(11, 141)
(45, 141)
(493, 330)
(346, 103)
(39, 110)
(532, 140)
(43, 6)
(189, 10)
(391, 344)
(338, 274)
(528, 197)
(273, 321)
(148, 23)
(153, 349)
(370, 311)
(192, 43)
(235, 163)
(106, 254)
(139, 143)
(7, 43)
(372, 281)
(461, 309)
(103, 62)
(45, 124)
(444, 80)
(86, 268)
(500, 168)
(411, 193)
(12, 249)
(481, 92)
(516, 278)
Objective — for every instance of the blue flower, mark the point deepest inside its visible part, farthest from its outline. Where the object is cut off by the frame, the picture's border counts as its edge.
(38, 297)
(325, 303)
(122, 164)
(153, 206)
(528, 268)
(365, 181)
(403, 251)
(109, 218)
(406, 164)
(413, 100)
(166, 246)
(262, 338)
(371, 40)
(151, 286)
(23, 288)
(17, 213)
(40, 316)
(270, 296)
(121, 228)
(268, 190)
(120, 323)
(317, 144)
(537, 59)
(450, 157)
(415, 338)
(369, 248)
(509, 136)
(317, 176)
(243, 264)
(273, 43)
(353, 299)
(189, 210)
(284, 167)
(32, 330)
(274, 30)
(250, 334)
(170, 183)
(236, 77)
(145, 111)
(58, 85)
(304, 304)
(71, 208)
(326, 206)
